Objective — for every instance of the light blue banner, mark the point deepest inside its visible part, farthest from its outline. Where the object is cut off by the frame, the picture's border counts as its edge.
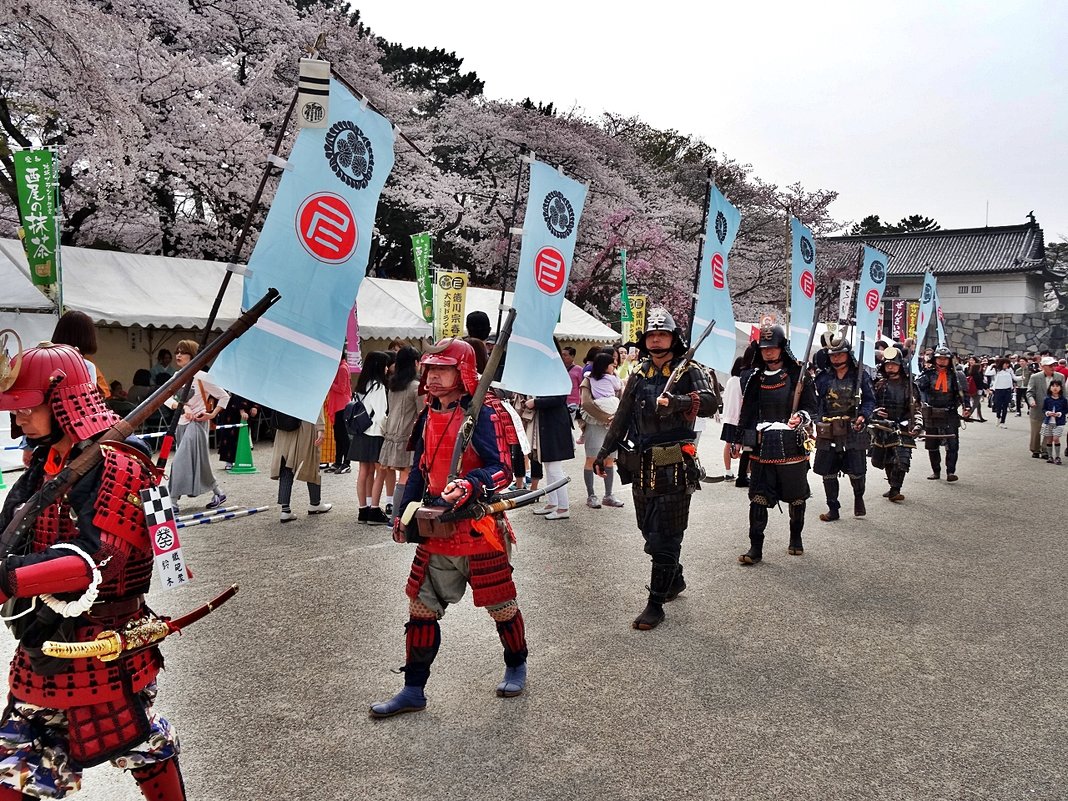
(802, 286)
(713, 289)
(314, 249)
(927, 306)
(550, 227)
(869, 299)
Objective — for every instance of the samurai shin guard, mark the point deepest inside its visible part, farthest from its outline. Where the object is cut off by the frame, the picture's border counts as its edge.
(513, 634)
(858, 495)
(936, 463)
(758, 522)
(678, 584)
(952, 451)
(422, 638)
(897, 480)
(831, 488)
(160, 781)
(797, 525)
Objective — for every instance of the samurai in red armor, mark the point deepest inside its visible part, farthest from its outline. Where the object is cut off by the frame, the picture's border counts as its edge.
(85, 570)
(450, 556)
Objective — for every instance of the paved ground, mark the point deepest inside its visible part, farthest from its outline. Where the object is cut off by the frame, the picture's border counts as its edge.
(914, 654)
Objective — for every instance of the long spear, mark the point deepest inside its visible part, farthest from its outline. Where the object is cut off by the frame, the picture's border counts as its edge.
(523, 151)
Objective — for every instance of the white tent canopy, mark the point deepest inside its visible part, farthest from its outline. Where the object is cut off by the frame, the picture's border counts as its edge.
(130, 289)
(388, 308)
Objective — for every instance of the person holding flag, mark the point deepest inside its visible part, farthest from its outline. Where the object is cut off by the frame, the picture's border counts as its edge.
(663, 397)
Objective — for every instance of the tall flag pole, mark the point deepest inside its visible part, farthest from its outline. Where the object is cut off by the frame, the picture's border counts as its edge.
(550, 229)
(802, 285)
(700, 253)
(927, 303)
(870, 298)
(713, 295)
(525, 155)
(314, 248)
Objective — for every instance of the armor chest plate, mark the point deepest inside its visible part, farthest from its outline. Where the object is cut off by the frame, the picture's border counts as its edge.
(53, 525)
(651, 426)
(891, 395)
(839, 401)
(774, 397)
(439, 439)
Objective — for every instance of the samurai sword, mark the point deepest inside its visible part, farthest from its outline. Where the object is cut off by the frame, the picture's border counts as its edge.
(136, 635)
(477, 511)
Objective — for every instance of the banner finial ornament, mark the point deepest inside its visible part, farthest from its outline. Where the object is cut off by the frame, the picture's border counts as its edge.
(9, 370)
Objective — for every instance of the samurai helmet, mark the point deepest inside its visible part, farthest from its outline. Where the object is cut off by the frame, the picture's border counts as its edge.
(57, 375)
(893, 355)
(660, 319)
(771, 335)
(840, 345)
(452, 353)
(940, 351)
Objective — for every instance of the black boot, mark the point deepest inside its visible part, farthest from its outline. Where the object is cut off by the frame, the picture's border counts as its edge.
(663, 574)
(797, 525)
(858, 483)
(758, 521)
(830, 488)
(890, 481)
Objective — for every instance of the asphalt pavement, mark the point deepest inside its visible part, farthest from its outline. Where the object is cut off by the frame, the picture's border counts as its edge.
(915, 653)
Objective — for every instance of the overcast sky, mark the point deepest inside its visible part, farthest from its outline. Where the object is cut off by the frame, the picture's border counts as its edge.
(902, 107)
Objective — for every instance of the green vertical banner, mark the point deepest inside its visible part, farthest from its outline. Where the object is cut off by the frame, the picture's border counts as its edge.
(626, 315)
(422, 253)
(38, 189)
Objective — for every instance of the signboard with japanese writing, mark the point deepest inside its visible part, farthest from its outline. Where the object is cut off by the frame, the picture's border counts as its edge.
(422, 253)
(914, 317)
(633, 329)
(38, 189)
(450, 298)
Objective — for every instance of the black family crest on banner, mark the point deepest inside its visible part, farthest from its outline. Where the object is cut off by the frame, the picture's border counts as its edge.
(721, 226)
(877, 271)
(807, 253)
(558, 214)
(927, 293)
(350, 154)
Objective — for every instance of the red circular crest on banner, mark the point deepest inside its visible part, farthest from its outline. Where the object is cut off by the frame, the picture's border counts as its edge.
(871, 300)
(326, 227)
(550, 270)
(718, 280)
(808, 283)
